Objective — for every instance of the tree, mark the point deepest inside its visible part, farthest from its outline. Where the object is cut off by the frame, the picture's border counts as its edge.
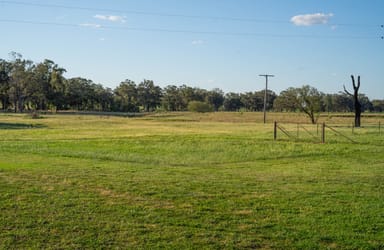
(54, 84)
(252, 101)
(126, 97)
(103, 97)
(286, 101)
(21, 76)
(310, 102)
(342, 103)
(192, 94)
(149, 95)
(5, 71)
(30, 85)
(172, 99)
(378, 105)
(307, 99)
(356, 101)
(37, 98)
(80, 94)
(232, 102)
(366, 104)
(46, 88)
(271, 96)
(215, 98)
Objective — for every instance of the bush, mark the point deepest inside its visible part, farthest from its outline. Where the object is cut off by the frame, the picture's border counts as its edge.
(201, 107)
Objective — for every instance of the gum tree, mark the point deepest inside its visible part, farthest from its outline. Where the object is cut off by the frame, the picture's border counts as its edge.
(306, 99)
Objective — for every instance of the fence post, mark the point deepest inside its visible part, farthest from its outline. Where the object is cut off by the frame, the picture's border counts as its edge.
(379, 128)
(323, 133)
(275, 131)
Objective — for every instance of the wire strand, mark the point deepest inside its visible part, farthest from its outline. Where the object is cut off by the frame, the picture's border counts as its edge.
(219, 18)
(244, 34)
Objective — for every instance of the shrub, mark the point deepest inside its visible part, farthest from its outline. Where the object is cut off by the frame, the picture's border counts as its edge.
(201, 107)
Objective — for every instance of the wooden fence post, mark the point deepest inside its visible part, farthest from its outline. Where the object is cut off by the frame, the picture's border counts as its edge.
(323, 133)
(275, 131)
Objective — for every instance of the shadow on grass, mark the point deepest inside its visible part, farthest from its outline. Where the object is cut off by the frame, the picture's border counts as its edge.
(4, 125)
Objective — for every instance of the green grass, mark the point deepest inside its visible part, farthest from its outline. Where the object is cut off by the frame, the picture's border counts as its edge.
(187, 181)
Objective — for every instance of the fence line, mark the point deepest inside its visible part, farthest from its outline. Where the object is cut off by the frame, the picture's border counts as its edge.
(290, 135)
(282, 130)
(308, 132)
(314, 136)
(338, 132)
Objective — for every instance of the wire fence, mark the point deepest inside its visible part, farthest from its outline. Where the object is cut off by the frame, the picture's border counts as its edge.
(324, 133)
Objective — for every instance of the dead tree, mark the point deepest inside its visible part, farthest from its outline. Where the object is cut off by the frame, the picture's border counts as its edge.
(356, 101)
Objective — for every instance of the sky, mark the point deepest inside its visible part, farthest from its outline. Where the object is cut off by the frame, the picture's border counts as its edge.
(207, 44)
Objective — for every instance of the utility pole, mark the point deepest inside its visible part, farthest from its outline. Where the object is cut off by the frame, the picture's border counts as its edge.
(265, 95)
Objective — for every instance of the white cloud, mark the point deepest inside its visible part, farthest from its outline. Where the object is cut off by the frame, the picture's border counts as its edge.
(197, 42)
(311, 19)
(111, 18)
(91, 25)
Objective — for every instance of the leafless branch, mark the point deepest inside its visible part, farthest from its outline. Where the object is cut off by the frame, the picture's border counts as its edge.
(358, 82)
(346, 91)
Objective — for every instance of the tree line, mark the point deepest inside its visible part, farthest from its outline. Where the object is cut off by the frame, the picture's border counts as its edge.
(29, 86)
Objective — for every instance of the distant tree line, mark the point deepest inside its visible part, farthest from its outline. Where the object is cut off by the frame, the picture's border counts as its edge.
(29, 86)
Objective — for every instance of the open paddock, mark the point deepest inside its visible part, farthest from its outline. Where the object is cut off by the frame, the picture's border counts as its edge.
(188, 181)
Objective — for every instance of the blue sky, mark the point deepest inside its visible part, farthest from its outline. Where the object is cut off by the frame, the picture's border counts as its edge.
(209, 44)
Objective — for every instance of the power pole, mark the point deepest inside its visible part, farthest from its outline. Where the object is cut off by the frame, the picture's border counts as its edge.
(265, 95)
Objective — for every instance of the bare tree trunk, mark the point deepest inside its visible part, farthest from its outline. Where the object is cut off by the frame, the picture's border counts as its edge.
(356, 101)
(357, 114)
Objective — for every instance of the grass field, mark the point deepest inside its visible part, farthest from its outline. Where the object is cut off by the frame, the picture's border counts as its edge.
(187, 181)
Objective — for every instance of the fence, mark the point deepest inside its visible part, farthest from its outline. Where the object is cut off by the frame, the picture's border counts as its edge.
(320, 133)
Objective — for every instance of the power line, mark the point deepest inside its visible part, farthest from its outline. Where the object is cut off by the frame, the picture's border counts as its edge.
(244, 34)
(162, 14)
(38, 23)
(239, 19)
